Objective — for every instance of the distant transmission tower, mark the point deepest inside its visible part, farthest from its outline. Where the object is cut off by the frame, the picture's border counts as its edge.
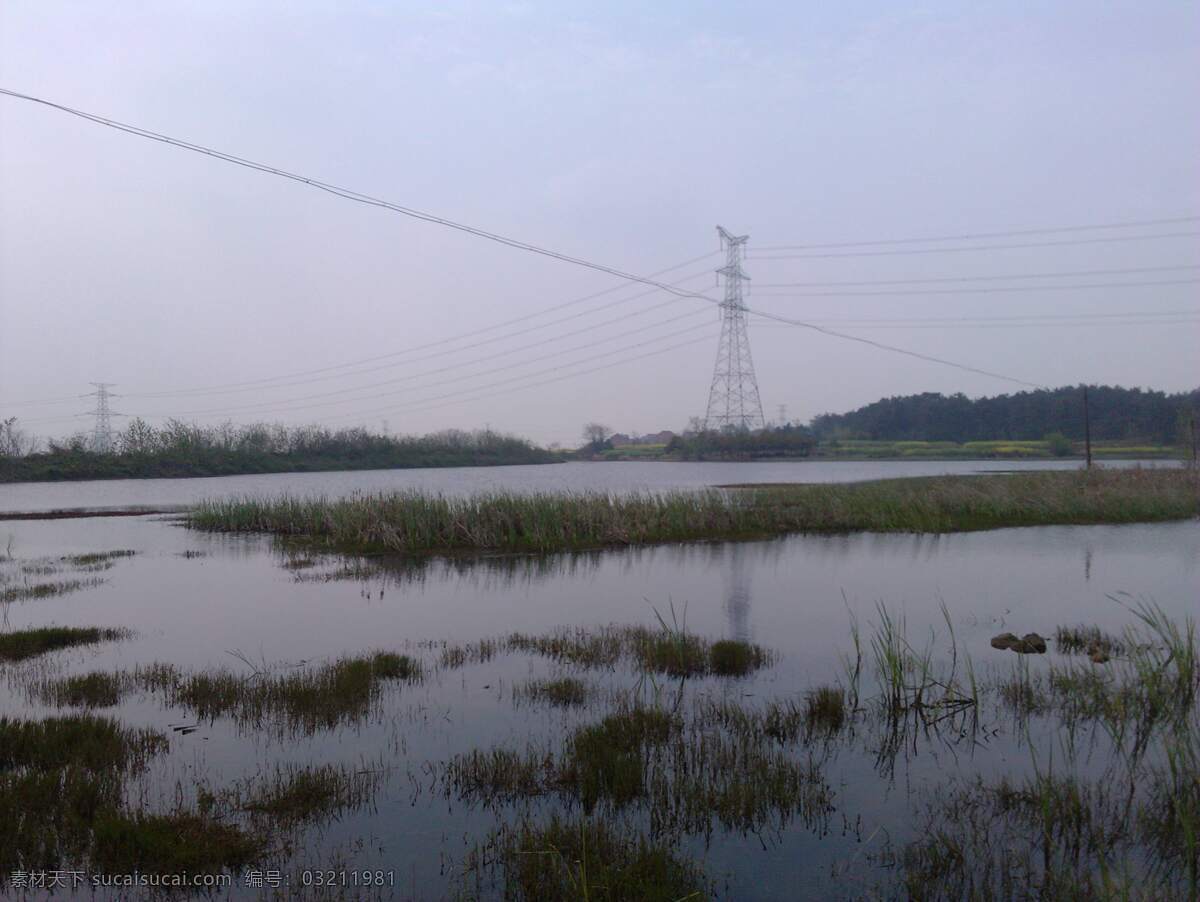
(102, 434)
(733, 400)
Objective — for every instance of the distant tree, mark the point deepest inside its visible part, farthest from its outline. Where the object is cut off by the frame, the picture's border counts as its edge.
(1059, 444)
(14, 442)
(597, 435)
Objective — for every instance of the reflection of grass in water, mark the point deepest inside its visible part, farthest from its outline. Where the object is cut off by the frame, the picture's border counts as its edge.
(19, 645)
(590, 860)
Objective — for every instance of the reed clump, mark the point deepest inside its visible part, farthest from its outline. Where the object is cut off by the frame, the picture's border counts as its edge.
(590, 859)
(562, 692)
(20, 645)
(294, 795)
(416, 523)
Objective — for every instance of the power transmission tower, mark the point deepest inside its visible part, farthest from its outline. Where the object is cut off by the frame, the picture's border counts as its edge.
(733, 401)
(102, 434)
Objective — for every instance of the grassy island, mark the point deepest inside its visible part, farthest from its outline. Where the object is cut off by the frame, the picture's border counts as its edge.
(410, 522)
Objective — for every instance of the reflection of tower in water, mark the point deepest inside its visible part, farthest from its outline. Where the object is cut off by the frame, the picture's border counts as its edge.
(737, 595)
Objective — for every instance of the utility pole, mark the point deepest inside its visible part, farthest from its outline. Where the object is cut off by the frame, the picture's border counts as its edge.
(102, 434)
(1087, 428)
(733, 400)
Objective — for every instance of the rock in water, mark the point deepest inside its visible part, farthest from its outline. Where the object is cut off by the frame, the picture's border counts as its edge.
(1034, 643)
(1004, 641)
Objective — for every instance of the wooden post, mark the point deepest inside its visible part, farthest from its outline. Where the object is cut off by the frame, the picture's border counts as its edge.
(1087, 429)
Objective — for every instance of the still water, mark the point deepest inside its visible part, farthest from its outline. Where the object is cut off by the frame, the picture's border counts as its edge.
(232, 598)
(162, 494)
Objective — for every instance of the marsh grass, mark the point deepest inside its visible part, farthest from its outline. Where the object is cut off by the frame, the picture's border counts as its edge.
(562, 692)
(606, 760)
(94, 743)
(88, 690)
(307, 699)
(588, 860)
(311, 794)
(20, 645)
(94, 559)
(29, 591)
(181, 842)
(1082, 639)
(669, 650)
(825, 710)
(415, 523)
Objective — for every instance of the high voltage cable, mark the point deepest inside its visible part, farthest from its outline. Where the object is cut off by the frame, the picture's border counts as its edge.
(538, 384)
(492, 340)
(1014, 324)
(971, 236)
(1031, 316)
(988, 278)
(275, 405)
(885, 347)
(641, 344)
(346, 193)
(369, 200)
(973, 247)
(458, 337)
(992, 290)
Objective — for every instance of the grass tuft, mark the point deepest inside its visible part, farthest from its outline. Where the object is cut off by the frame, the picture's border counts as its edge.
(22, 644)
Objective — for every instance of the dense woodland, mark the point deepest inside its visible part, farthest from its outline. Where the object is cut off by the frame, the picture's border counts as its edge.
(1117, 414)
(182, 449)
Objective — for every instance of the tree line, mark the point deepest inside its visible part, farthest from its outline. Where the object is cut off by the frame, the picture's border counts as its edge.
(185, 449)
(1116, 414)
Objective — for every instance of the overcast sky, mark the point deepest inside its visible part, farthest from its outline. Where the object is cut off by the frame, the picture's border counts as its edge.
(622, 133)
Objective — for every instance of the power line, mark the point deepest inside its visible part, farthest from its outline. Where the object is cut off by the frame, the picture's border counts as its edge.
(472, 230)
(437, 354)
(988, 278)
(992, 290)
(319, 398)
(885, 347)
(1032, 316)
(517, 378)
(973, 236)
(346, 193)
(538, 384)
(257, 383)
(974, 247)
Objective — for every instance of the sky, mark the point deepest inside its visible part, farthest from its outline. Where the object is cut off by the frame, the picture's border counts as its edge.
(620, 133)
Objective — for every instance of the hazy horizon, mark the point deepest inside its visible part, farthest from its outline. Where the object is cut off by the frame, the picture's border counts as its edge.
(619, 134)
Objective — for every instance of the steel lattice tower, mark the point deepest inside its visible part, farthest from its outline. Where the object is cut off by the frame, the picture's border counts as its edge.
(733, 401)
(102, 434)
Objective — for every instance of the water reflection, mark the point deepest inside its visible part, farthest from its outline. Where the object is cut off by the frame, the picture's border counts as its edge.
(737, 595)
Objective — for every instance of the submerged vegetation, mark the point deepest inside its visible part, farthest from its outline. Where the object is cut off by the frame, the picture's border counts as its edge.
(423, 524)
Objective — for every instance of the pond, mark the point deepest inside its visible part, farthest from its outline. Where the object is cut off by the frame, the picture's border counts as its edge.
(252, 606)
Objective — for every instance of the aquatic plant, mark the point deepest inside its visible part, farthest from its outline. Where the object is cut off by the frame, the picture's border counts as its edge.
(433, 524)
